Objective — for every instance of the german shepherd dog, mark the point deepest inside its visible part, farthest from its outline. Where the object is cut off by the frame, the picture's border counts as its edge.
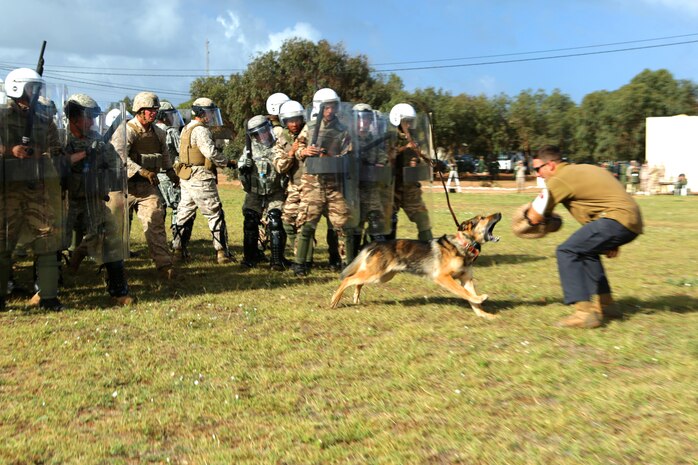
(447, 260)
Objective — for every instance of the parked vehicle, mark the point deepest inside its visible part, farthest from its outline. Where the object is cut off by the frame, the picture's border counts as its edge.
(465, 163)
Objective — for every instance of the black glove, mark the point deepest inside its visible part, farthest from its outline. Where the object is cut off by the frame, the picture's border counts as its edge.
(248, 162)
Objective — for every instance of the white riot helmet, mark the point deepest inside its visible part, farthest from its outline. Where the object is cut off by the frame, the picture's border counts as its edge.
(112, 116)
(205, 109)
(275, 101)
(364, 116)
(291, 109)
(401, 111)
(22, 81)
(323, 96)
(145, 100)
(260, 129)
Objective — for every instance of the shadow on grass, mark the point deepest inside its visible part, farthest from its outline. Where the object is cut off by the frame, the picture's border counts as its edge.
(509, 259)
(667, 303)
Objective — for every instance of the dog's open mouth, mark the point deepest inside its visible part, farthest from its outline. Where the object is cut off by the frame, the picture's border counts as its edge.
(489, 237)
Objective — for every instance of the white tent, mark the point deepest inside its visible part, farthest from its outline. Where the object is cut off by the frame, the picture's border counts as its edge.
(672, 142)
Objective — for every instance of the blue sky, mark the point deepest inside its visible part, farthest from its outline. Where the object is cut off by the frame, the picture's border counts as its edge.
(113, 49)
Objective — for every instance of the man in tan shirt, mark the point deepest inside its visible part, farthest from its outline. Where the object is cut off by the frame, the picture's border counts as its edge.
(610, 218)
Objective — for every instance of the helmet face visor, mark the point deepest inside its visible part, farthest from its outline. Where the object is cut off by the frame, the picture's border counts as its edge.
(172, 118)
(212, 116)
(263, 134)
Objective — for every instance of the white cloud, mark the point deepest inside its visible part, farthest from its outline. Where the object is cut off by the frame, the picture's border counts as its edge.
(299, 30)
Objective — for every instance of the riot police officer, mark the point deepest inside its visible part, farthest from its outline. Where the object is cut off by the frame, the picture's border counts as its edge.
(323, 142)
(292, 116)
(274, 102)
(30, 195)
(264, 194)
(170, 120)
(97, 195)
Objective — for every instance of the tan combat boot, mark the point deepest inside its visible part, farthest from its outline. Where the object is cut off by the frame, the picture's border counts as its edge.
(167, 273)
(586, 316)
(177, 256)
(34, 301)
(608, 307)
(123, 300)
(222, 257)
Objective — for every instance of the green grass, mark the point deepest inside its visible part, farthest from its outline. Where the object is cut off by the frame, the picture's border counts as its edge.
(233, 366)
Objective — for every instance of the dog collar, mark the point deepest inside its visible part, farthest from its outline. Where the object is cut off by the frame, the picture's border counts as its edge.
(473, 249)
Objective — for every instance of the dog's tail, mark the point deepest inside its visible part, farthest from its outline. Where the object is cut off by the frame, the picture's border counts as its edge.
(353, 267)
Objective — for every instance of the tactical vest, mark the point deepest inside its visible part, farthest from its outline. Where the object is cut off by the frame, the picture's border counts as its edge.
(13, 121)
(147, 141)
(330, 136)
(190, 155)
(296, 171)
(264, 179)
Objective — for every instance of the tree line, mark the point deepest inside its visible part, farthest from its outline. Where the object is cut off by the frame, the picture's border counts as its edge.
(607, 125)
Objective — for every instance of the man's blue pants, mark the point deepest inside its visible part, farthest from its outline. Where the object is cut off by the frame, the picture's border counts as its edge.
(578, 261)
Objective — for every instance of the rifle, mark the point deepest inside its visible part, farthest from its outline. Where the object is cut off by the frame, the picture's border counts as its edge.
(29, 127)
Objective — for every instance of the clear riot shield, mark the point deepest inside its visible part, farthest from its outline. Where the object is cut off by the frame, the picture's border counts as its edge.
(411, 152)
(333, 132)
(376, 173)
(97, 191)
(32, 201)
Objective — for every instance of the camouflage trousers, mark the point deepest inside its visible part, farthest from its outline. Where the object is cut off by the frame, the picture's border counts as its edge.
(375, 206)
(104, 225)
(201, 192)
(409, 198)
(171, 194)
(147, 201)
(293, 200)
(35, 213)
(322, 197)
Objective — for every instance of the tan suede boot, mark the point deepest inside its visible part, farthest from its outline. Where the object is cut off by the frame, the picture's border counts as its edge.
(122, 301)
(586, 316)
(222, 257)
(608, 307)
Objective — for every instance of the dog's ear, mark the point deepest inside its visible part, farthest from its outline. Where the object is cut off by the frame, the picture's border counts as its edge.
(469, 225)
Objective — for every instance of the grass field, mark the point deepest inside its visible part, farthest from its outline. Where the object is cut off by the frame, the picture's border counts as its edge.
(252, 367)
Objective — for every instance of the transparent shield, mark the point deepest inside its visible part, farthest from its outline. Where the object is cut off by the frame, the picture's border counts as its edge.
(376, 174)
(411, 151)
(97, 191)
(332, 130)
(32, 204)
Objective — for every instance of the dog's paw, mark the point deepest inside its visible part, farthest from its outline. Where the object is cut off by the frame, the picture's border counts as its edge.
(485, 315)
(478, 299)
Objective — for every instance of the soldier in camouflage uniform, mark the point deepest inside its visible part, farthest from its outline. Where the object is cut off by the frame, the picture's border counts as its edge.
(97, 195)
(198, 160)
(170, 121)
(264, 194)
(292, 116)
(30, 193)
(143, 145)
(321, 194)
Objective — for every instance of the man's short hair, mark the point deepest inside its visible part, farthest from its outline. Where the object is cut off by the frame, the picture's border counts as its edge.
(549, 153)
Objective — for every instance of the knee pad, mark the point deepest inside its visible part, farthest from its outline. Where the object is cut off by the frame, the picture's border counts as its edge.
(274, 220)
